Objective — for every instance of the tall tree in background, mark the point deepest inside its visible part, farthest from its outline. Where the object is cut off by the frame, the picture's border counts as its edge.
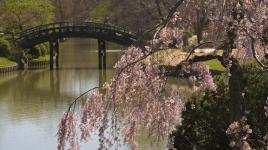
(139, 15)
(73, 10)
(18, 14)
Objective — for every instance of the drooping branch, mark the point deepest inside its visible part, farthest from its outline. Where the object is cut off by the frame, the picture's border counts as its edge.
(159, 27)
(265, 67)
(78, 98)
(195, 59)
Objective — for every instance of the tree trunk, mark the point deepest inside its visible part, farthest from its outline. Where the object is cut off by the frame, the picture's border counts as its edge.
(235, 89)
(199, 28)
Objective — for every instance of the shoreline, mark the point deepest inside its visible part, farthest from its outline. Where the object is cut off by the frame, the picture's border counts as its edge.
(33, 64)
(9, 68)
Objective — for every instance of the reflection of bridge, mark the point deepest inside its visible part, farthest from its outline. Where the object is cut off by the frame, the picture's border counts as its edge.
(51, 85)
(53, 32)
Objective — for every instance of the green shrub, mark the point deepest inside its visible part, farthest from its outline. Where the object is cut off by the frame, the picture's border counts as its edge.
(43, 48)
(5, 48)
(39, 50)
(208, 114)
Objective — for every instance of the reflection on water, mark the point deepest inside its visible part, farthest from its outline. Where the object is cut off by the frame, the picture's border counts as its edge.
(84, 55)
(32, 102)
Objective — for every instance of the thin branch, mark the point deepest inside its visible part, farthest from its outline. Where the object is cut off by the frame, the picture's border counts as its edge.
(169, 16)
(161, 25)
(159, 9)
(265, 67)
(172, 11)
(74, 102)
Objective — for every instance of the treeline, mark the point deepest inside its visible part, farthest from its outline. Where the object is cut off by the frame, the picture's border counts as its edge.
(138, 15)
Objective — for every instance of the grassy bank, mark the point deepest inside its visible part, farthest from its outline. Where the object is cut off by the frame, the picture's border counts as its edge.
(6, 62)
(170, 57)
(214, 64)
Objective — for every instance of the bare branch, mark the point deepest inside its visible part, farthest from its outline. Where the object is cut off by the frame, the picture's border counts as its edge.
(169, 16)
(265, 67)
(74, 102)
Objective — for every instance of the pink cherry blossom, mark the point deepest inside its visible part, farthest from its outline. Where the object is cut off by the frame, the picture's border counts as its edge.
(204, 76)
(239, 131)
(67, 131)
(266, 108)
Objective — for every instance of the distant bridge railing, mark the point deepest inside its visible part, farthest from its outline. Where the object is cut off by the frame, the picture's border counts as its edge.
(96, 29)
(69, 24)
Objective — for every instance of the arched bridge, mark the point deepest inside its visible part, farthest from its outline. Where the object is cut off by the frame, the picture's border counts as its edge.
(53, 32)
(50, 32)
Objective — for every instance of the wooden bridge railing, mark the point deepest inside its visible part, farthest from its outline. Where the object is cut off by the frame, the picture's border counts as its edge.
(60, 25)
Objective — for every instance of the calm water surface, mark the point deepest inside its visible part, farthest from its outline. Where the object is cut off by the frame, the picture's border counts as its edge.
(32, 102)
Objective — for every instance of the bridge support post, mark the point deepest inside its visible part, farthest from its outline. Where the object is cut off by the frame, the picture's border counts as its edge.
(102, 54)
(102, 77)
(51, 49)
(54, 48)
(57, 54)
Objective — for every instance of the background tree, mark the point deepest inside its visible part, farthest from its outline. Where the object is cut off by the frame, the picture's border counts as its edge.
(19, 14)
(73, 10)
(140, 15)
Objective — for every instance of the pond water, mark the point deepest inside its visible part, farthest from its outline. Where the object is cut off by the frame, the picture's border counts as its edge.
(32, 102)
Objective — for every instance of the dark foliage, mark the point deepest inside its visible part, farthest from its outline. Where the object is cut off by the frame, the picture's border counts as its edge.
(208, 114)
(39, 50)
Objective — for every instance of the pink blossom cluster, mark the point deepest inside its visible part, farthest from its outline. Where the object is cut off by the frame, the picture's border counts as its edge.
(239, 131)
(67, 132)
(204, 76)
(94, 111)
(266, 108)
(176, 19)
(147, 100)
(139, 96)
(168, 37)
(158, 117)
(132, 55)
